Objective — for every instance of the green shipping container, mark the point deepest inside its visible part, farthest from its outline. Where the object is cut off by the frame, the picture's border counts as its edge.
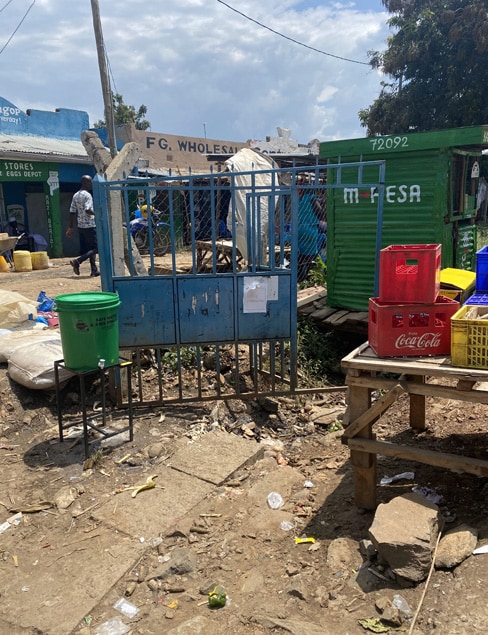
(431, 183)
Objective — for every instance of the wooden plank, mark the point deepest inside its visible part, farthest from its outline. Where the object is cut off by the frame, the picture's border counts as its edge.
(365, 359)
(374, 412)
(429, 390)
(420, 455)
(310, 295)
(335, 317)
(322, 314)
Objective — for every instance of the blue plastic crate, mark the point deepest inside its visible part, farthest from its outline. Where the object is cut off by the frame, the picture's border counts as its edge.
(478, 298)
(482, 270)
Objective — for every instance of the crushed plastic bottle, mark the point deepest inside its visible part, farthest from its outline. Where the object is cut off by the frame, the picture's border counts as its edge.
(275, 500)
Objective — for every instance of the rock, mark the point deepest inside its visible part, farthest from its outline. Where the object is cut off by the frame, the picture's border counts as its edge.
(65, 497)
(322, 596)
(268, 404)
(455, 546)
(404, 532)
(382, 603)
(327, 416)
(155, 449)
(367, 549)
(392, 616)
(298, 588)
(341, 553)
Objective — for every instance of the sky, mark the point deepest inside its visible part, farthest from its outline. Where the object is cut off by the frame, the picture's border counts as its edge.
(201, 68)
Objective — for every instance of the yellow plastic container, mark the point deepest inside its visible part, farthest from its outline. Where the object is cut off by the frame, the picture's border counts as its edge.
(40, 260)
(22, 260)
(3, 265)
(469, 337)
(457, 284)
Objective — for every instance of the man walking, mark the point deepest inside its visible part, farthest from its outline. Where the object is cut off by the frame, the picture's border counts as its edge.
(81, 212)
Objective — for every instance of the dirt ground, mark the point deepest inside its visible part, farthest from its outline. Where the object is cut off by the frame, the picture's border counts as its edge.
(231, 537)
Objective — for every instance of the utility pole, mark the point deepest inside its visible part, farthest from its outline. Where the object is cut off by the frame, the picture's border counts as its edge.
(106, 90)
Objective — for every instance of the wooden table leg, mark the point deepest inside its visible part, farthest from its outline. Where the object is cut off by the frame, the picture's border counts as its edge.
(417, 405)
(364, 463)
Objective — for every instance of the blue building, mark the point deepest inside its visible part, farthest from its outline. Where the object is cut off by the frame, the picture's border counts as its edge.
(42, 161)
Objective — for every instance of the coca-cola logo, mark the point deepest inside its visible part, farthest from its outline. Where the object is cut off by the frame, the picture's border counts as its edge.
(420, 342)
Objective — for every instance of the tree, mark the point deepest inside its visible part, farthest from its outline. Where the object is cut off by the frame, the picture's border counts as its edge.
(438, 66)
(126, 114)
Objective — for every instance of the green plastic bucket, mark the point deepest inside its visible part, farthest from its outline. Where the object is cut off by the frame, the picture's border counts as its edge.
(89, 326)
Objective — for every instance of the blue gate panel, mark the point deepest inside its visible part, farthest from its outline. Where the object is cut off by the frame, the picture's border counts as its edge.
(264, 307)
(147, 312)
(206, 309)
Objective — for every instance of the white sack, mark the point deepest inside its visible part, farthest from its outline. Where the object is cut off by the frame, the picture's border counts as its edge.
(15, 308)
(33, 365)
(23, 334)
(247, 160)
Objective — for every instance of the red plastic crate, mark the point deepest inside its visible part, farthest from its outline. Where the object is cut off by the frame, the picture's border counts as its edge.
(411, 330)
(410, 273)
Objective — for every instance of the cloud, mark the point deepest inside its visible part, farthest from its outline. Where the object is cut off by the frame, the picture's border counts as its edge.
(195, 61)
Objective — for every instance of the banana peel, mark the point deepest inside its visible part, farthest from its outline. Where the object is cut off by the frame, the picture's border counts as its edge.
(149, 484)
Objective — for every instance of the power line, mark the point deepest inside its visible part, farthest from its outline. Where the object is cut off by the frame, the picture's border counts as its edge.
(5, 6)
(338, 57)
(18, 27)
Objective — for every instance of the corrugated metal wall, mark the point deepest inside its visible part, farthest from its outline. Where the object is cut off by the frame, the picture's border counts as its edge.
(415, 207)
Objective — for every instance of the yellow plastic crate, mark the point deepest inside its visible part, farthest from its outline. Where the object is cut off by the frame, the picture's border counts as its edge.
(469, 337)
(457, 284)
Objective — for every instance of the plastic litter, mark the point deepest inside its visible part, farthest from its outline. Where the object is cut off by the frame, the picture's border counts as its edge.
(482, 549)
(400, 603)
(113, 626)
(275, 500)
(406, 476)
(428, 493)
(286, 525)
(301, 541)
(217, 597)
(126, 608)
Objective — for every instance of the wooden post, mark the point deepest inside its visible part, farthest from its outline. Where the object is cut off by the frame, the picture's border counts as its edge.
(364, 463)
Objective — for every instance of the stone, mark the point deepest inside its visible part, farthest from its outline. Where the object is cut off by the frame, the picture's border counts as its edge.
(404, 532)
(298, 588)
(455, 546)
(341, 554)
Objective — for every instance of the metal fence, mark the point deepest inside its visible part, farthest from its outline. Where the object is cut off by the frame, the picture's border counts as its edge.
(207, 269)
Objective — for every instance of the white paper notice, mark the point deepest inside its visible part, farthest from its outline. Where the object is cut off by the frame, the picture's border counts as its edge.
(272, 288)
(255, 295)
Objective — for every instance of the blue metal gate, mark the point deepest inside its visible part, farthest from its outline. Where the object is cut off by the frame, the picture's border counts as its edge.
(206, 270)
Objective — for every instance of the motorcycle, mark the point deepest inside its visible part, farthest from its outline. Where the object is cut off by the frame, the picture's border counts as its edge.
(139, 230)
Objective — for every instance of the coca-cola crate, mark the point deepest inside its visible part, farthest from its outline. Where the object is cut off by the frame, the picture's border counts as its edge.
(410, 273)
(411, 330)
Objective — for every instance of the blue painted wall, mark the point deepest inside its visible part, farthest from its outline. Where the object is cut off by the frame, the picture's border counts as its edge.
(62, 123)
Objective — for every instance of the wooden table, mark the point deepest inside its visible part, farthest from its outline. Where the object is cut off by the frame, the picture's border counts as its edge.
(411, 375)
(223, 250)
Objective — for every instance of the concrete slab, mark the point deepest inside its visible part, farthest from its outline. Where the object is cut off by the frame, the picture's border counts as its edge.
(39, 588)
(214, 456)
(154, 511)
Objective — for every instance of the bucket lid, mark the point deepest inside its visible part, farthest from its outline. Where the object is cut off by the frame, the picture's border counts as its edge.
(87, 300)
